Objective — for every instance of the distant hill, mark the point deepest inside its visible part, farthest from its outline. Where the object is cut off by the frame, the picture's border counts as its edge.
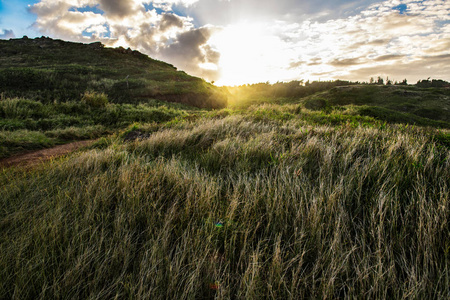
(391, 103)
(50, 70)
(426, 104)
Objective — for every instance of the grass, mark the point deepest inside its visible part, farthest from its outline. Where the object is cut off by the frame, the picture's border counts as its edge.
(308, 211)
(418, 103)
(48, 70)
(28, 125)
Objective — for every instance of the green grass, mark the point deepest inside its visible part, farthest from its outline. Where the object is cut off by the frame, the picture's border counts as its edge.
(405, 104)
(29, 125)
(50, 70)
(352, 210)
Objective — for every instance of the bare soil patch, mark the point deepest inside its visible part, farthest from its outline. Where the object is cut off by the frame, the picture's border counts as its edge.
(36, 157)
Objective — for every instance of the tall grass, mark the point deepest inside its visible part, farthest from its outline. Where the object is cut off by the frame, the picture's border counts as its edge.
(28, 125)
(230, 208)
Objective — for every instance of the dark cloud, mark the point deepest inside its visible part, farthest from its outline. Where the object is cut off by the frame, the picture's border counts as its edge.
(296, 64)
(48, 10)
(345, 62)
(438, 57)
(315, 62)
(7, 34)
(190, 49)
(377, 42)
(389, 57)
(442, 45)
(117, 8)
(170, 20)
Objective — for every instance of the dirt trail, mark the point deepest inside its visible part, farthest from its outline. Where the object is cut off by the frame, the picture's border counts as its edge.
(36, 157)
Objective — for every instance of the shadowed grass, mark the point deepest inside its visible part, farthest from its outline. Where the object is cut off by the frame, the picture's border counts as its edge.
(29, 125)
(307, 212)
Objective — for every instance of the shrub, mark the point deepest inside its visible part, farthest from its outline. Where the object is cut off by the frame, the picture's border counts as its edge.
(95, 99)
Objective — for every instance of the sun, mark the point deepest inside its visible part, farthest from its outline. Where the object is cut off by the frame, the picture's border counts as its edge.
(249, 53)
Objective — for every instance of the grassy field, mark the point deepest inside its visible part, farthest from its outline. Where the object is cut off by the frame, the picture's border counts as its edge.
(271, 201)
(30, 125)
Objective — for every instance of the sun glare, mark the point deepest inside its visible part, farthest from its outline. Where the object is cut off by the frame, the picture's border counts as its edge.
(249, 54)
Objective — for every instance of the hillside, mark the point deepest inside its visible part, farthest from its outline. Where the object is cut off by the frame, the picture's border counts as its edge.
(54, 70)
(398, 104)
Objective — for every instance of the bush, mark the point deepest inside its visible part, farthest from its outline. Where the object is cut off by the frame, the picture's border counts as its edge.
(95, 99)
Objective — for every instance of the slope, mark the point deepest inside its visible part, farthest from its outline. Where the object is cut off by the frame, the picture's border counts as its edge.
(54, 70)
(395, 104)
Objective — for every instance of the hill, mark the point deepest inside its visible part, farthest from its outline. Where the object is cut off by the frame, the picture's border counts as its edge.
(399, 104)
(50, 70)
(410, 104)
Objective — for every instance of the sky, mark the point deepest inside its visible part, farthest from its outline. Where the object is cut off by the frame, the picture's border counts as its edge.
(235, 42)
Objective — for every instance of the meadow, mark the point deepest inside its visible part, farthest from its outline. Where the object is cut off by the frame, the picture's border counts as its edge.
(271, 201)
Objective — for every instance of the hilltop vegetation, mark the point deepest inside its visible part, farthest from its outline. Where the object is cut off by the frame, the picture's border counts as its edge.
(50, 70)
(325, 190)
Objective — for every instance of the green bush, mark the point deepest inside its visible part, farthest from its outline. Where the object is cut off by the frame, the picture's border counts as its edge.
(94, 99)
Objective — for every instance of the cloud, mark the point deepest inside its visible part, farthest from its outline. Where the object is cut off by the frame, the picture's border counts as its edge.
(191, 50)
(7, 34)
(377, 40)
(226, 12)
(389, 57)
(423, 67)
(118, 8)
(170, 20)
(345, 62)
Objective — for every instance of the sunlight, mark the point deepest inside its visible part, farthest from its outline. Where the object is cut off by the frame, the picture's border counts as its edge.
(249, 54)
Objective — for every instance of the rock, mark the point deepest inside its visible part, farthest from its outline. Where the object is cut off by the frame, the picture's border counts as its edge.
(135, 135)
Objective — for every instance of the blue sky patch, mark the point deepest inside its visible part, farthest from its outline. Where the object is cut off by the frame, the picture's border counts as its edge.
(15, 16)
(149, 6)
(94, 9)
(401, 8)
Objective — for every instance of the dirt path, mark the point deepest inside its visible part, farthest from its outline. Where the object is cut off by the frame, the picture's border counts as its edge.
(36, 157)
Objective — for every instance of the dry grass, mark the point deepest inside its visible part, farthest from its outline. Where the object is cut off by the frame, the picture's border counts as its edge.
(307, 212)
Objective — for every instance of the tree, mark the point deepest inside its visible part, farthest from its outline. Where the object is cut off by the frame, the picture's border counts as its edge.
(380, 80)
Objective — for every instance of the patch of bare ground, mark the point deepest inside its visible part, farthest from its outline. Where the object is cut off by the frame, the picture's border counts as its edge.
(36, 157)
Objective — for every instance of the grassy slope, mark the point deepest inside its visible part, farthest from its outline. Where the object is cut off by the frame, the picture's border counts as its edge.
(45, 69)
(400, 104)
(30, 125)
(313, 205)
